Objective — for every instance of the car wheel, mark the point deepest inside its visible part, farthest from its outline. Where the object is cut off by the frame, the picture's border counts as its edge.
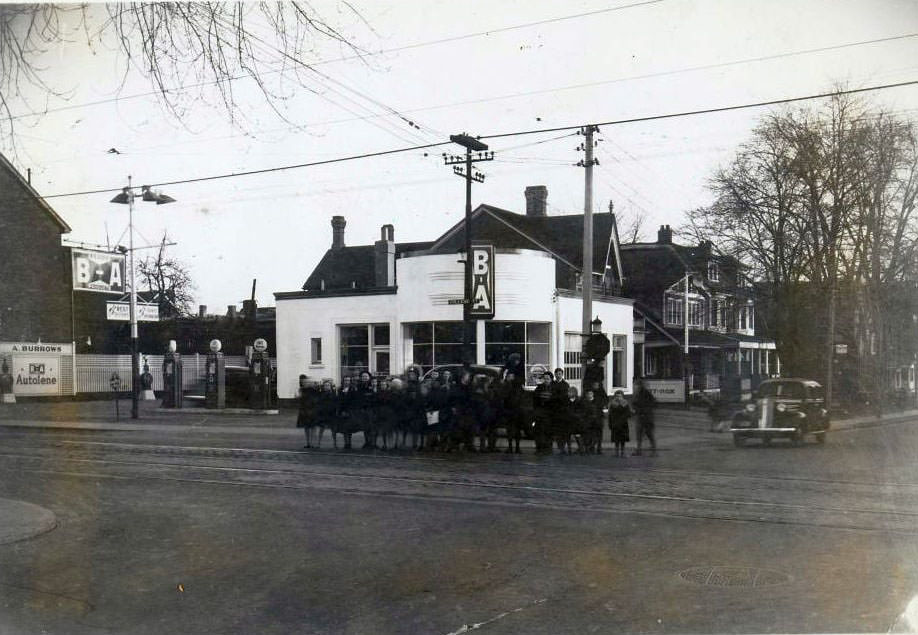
(766, 440)
(821, 437)
(739, 440)
(797, 439)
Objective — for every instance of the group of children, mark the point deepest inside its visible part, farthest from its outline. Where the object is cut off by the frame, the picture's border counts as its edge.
(450, 412)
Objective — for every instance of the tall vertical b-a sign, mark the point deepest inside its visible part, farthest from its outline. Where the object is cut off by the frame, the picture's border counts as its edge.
(480, 305)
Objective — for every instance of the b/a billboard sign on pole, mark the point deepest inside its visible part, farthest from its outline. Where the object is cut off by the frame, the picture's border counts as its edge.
(481, 304)
(97, 271)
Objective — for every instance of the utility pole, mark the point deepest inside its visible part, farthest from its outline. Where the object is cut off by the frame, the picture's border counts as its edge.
(471, 144)
(586, 271)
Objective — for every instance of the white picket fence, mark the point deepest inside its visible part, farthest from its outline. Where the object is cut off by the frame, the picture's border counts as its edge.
(93, 373)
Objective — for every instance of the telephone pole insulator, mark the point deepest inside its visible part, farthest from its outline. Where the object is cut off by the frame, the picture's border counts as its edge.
(471, 144)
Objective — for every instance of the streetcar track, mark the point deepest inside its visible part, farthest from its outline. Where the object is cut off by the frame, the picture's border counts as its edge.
(492, 503)
(479, 484)
(242, 453)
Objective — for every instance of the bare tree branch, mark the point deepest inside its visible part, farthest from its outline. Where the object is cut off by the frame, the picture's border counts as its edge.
(191, 52)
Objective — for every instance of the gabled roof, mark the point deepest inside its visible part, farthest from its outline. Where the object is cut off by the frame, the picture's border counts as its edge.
(345, 267)
(561, 236)
(30, 191)
(650, 268)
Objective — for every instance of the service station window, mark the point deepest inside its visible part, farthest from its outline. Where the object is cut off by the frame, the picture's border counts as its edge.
(315, 350)
(531, 340)
(619, 360)
(364, 347)
(429, 344)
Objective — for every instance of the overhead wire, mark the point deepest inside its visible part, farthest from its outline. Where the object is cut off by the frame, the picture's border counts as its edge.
(646, 118)
(399, 133)
(403, 113)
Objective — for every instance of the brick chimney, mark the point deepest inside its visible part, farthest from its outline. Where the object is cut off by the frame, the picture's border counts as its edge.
(338, 223)
(384, 257)
(665, 235)
(202, 310)
(536, 200)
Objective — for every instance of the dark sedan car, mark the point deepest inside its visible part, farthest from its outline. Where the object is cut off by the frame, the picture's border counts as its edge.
(456, 369)
(786, 408)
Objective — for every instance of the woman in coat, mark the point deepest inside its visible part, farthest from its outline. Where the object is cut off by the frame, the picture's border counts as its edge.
(326, 410)
(619, 413)
(309, 401)
(347, 412)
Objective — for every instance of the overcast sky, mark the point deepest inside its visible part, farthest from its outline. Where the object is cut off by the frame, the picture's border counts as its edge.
(506, 66)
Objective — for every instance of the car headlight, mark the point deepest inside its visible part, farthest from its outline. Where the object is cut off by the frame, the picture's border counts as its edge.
(750, 407)
(781, 407)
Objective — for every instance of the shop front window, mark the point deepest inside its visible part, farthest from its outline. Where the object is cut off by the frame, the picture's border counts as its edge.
(429, 344)
(530, 340)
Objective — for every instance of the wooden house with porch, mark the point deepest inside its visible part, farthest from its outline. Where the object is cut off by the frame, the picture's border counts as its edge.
(696, 309)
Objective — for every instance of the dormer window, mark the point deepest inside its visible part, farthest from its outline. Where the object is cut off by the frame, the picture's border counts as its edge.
(713, 272)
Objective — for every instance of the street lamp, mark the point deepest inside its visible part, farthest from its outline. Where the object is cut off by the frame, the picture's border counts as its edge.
(596, 325)
(126, 197)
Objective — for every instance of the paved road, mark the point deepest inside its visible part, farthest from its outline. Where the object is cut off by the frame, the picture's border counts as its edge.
(207, 530)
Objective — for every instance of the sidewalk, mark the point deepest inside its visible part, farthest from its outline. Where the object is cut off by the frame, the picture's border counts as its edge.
(100, 415)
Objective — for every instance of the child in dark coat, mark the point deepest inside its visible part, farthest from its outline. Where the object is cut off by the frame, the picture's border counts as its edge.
(619, 413)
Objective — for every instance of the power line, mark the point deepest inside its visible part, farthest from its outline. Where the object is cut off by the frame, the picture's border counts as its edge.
(402, 113)
(366, 155)
(689, 113)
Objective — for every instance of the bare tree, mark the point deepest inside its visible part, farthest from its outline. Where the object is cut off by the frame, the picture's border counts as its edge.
(168, 281)
(821, 204)
(189, 51)
(630, 224)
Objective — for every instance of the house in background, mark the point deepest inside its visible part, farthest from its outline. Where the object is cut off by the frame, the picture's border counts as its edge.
(673, 284)
(386, 306)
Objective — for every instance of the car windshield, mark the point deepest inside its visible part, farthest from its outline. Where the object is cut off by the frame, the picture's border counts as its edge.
(787, 389)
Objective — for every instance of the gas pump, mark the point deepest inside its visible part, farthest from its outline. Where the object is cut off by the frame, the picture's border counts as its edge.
(6, 383)
(260, 376)
(215, 377)
(172, 377)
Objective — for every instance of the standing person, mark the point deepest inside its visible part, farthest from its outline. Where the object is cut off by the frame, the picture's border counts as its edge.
(367, 389)
(644, 404)
(601, 399)
(307, 415)
(482, 412)
(563, 424)
(420, 392)
(347, 412)
(385, 413)
(619, 413)
(465, 413)
(512, 415)
(593, 417)
(559, 386)
(326, 410)
(363, 407)
(542, 413)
